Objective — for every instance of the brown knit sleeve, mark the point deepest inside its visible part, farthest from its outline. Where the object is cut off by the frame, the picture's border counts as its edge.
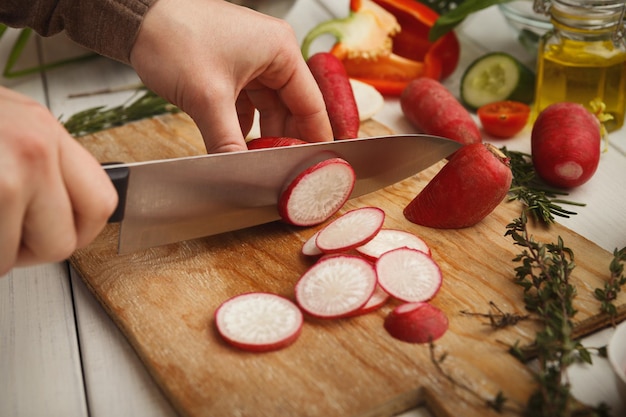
(108, 27)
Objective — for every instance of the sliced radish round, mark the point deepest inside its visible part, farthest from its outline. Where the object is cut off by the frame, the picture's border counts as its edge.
(376, 301)
(409, 275)
(317, 192)
(310, 247)
(389, 239)
(350, 230)
(336, 286)
(259, 321)
(416, 323)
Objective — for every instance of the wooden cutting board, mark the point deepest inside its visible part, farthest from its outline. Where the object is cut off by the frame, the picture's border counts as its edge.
(163, 300)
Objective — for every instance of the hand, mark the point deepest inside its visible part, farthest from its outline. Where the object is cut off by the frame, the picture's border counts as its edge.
(218, 62)
(54, 196)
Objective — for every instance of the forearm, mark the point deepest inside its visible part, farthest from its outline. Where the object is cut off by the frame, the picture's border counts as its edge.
(108, 27)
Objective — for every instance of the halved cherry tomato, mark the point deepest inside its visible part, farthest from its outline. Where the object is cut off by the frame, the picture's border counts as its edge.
(504, 119)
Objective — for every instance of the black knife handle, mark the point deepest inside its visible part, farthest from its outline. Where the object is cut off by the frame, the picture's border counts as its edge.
(119, 177)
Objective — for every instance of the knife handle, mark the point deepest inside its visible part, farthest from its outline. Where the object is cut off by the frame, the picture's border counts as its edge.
(119, 177)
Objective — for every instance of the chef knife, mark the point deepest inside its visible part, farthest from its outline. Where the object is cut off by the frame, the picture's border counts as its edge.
(172, 200)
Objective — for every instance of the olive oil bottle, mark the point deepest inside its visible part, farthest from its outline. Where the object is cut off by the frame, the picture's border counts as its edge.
(583, 59)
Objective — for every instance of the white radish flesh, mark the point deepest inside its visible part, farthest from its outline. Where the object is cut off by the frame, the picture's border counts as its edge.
(389, 239)
(336, 286)
(317, 193)
(409, 275)
(368, 100)
(376, 301)
(310, 247)
(259, 321)
(352, 229)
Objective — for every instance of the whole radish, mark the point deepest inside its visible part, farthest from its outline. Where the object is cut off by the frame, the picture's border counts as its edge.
(428, 105)
(469, 187)
(565, 145)
(336, 89)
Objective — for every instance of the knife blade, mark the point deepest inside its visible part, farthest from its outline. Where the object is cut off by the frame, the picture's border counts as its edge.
(172, 200)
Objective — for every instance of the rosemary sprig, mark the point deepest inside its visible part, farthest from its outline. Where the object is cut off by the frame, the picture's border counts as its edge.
(544, 274)
(613, 285)
(542, 202)
(99, 118)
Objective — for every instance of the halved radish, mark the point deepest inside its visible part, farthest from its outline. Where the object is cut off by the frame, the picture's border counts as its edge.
(317, 193)
(376, 301)
(310, 247)
(409, 275)
(350, 230)
(259, 321)
(389, 239)
(416, 322)
(337, 285)
(273, 142)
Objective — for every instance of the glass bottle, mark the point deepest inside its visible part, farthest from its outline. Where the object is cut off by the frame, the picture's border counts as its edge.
(584, 57)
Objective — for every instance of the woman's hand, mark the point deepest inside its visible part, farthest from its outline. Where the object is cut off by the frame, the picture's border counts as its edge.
(54, 196)
(218, 62)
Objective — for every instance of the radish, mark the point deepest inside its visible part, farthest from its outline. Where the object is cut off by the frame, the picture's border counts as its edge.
(368, 100)
(334, 84)
(335, 286)
(428, 105)
(259, 321)
(350, 230)
(310, 247)
(273, 142)
(389, 239)
(376, 301)
(565, 145)
(469, 187)
(317, 193)
(416, 323)
(408, 275)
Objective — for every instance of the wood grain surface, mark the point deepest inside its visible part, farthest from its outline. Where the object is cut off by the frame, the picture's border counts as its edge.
(163, 300)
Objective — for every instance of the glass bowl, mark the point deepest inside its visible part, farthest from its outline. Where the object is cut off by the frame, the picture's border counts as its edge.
(528, 25)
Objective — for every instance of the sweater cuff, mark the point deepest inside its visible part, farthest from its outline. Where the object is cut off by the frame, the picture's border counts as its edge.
(108, 27)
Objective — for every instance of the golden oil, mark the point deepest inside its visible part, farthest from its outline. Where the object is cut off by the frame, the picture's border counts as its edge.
(584, 58)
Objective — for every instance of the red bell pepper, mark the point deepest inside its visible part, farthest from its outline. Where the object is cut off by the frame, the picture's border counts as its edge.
(385, 43)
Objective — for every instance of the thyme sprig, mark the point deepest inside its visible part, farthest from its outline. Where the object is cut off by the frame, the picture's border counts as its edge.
(499, 319)
(544, 274)
(542, 202)
(99, 118)
(613, 285)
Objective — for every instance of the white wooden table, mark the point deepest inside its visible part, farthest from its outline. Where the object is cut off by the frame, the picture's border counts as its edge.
(60, 354)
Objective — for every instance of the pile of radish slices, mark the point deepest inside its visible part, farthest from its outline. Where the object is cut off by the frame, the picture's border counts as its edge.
(360, 266)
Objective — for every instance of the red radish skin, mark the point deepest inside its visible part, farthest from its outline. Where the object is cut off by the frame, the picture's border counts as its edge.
(336, 286)
(273, 142)
(259, 322)
(317, 193)
(334, 83)
(416, 323)
(465, 191)
(408, 275)
(389, 239)
(350, 230)
(430, 107)
(565, 145)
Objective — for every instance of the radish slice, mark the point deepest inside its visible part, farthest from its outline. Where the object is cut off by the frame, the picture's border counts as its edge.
(376, 301)
(336, 286)
(317, 192)
(259, 321)
(368, 100)
(389, 239)
(409, 275)
(310, 247)
(416, 323)
(352, 229)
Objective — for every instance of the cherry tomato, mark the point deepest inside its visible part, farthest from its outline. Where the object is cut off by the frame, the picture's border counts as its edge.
(504, 119)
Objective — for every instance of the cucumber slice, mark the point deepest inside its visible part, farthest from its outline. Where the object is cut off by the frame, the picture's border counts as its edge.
(496, 76)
